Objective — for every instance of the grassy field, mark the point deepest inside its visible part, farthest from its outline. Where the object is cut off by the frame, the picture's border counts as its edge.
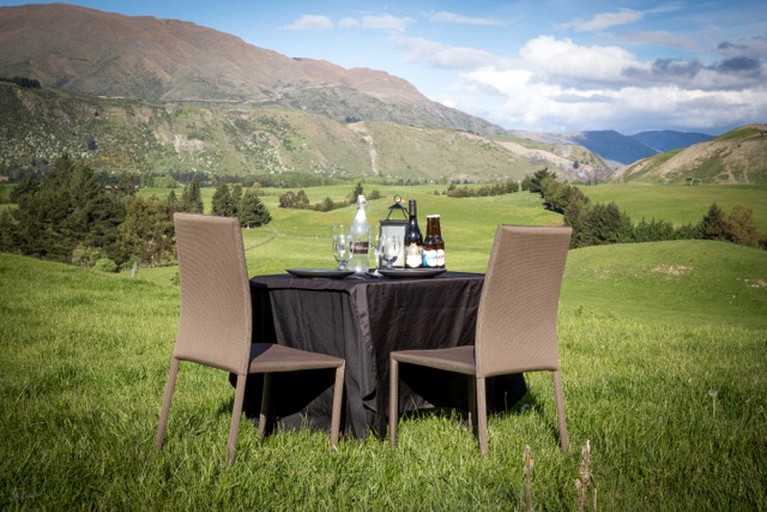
(681, 204)
(663, 347)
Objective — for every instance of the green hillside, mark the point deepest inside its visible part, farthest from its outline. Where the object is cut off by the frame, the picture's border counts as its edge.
(736, 157)
(680, 204)
(118, 135)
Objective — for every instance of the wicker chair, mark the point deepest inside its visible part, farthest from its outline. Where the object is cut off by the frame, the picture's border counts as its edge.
(215, 322)
(516, 323)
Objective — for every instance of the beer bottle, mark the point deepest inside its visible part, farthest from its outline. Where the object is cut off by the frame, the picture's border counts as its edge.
(433, 245)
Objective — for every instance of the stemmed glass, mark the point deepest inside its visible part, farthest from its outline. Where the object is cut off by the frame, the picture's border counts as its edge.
(342, 250)
(390, 251)
(376, 240)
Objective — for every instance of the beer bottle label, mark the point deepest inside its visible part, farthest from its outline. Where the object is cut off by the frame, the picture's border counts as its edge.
(431, 258)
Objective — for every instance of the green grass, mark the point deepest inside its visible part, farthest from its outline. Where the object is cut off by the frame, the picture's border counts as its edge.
(681, 204)
(663, 348)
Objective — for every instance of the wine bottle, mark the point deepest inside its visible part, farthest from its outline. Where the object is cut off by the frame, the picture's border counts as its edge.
(413, 239)
(360, 235)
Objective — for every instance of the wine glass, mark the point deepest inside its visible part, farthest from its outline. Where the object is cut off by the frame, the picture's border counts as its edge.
(376, 238)
(342, 250)
(390, 251)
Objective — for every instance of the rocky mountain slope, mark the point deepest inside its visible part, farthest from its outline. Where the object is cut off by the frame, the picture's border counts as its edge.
(94, 53)
(738, 156)
(139, 93)
(130, 135)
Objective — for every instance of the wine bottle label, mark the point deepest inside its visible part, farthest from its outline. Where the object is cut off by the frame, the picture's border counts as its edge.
(360, 247)
(431, 258)
(413, 256)
(440, 258)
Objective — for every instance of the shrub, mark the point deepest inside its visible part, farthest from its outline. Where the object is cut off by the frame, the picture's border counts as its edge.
(105, 265)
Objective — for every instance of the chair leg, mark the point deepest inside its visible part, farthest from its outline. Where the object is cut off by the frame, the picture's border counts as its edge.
(338, 395)
(482, 415)
(239, 397)
(263, 417)
(560, 399)
(472, 404)
(159, 437)
(393, 400)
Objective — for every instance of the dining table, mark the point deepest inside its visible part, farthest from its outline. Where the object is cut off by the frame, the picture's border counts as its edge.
(362, 318)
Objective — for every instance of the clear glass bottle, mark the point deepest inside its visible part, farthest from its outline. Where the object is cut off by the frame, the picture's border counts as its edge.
(360, 234)
(413, 239)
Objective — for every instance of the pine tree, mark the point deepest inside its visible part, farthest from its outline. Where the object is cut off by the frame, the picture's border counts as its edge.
(191, 199)
(253, 213)
(147, 232)
(172, 201)
(221, 203)
(714, 224)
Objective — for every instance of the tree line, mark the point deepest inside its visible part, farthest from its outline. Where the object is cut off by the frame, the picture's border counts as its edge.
(69, 215)
(300, 201)
(29, 83)
(599, 224)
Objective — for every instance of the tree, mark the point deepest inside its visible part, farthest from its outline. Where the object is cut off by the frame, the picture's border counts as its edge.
(358, 190)
(714, 224)
(606, 224)
(191, 198)
(147, 232)
(654, 231)
(172, 201)
(222, 203)
(742, 229)
(69, 208)
(253, 213)
(535, 183)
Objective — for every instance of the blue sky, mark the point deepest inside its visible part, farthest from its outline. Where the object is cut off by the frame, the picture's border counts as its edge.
(547, 65)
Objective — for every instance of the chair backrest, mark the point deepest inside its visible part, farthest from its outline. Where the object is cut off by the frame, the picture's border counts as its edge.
(215, 323)
(517, 317)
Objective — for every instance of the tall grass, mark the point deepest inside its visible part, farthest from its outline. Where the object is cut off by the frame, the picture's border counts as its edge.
(663, 349)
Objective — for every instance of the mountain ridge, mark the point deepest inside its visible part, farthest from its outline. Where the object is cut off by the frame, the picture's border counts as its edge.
(148, 93)
(95, 53)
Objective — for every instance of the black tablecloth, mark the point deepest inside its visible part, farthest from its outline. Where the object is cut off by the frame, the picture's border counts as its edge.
(363, 320)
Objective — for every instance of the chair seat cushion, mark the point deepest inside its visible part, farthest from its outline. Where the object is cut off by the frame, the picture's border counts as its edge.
(269, 357)
(454, 359)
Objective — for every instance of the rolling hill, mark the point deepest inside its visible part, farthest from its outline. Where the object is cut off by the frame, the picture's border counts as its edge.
(738, 156)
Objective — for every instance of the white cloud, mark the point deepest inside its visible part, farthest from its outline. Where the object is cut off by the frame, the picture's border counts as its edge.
(662, 38)
(563, 58)
(386, 22)
(558, 85)
(605, 20)
(348, 23)
(443, 56)
(310, 22)
(451, 17)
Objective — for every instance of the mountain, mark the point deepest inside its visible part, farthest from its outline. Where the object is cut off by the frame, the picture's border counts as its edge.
(738, 156)
(113, 134)
(668, 140)
(150, 95)
(612, 146)
(94, 53)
